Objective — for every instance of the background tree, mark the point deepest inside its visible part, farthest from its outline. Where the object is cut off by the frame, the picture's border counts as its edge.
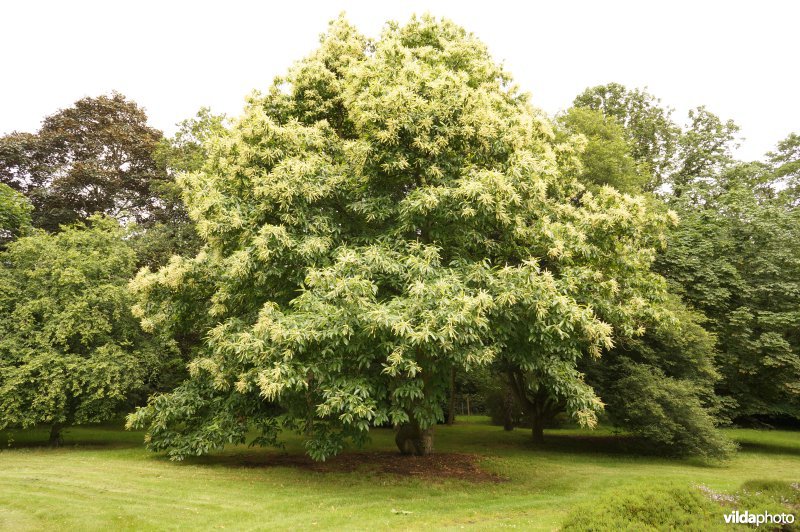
(172, 232)
(653, 134)
(673, 156)
(736, 258)
(661, 386)
(96, 156)
(705, 148)
(785, 168)
(607, 158)
(15, 215)
(674, 351)
(70, 350)
(732, 257)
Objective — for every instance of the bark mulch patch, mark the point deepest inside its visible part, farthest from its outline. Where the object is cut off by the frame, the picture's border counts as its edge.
(437, 466)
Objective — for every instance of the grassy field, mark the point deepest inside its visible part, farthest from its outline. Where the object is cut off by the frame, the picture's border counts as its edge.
(103, 479)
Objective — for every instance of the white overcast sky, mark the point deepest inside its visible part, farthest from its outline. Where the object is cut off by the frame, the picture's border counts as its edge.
(740, 59)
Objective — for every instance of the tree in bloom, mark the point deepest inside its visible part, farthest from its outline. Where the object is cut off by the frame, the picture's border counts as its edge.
(387, 212)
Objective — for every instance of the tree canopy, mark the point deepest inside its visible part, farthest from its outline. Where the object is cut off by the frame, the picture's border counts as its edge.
(70, 350)
(96, 156)
(736, 257)
(171, 231)
(15, 214)
(785, 168)
(607, 158)
(733, 256)
(388, 211)
(649, 126)
(673, 156)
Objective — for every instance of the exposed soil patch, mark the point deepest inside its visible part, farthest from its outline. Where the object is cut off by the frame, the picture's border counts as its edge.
(437, 466)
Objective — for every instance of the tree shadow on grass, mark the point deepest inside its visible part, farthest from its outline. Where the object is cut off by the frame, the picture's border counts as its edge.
(454, 458)
(449, 462)
(769, 448)
(609, 444)
(92, 437)
(617, 446)
(437, 466)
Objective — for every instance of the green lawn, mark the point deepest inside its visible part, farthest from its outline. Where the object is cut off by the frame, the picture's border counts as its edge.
(103, 479)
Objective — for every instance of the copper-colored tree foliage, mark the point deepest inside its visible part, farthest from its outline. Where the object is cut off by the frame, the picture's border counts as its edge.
(96, 156)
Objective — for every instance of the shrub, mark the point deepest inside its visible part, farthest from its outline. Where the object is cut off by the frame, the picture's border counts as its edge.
(666, 509)
(685, 508)
(667, 413)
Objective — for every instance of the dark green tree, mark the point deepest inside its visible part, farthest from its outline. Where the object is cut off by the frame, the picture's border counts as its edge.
(654, 136)
(675, 157)
(784, 164)
(704, 149)
(661, 386)
(172, 232)
(736, 258)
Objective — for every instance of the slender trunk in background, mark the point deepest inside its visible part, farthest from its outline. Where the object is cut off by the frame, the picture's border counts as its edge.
(508, 411)
(537, 428)
(451, 407)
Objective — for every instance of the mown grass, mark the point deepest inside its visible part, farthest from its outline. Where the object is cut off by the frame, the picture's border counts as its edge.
(103, 479)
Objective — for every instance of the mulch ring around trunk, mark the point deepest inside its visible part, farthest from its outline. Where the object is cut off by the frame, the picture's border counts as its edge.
(436, 466)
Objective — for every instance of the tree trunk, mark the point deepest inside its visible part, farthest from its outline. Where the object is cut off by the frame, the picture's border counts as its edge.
(538, 407)
(468, 411)
(537, 428)
(508, 412)
(55, 435)
(410, 439)
(451, 406)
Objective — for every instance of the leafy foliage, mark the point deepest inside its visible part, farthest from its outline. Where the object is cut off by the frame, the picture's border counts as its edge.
(649, 126)
(660, 386)
(389, 211)
(96, 156)
(736, 258)
(733, 257)
(785, 166)
(15, 215)
(704, 148)
(70, 350)
(172, 232)
(607, 158)
(666, 412)
(674, 157)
